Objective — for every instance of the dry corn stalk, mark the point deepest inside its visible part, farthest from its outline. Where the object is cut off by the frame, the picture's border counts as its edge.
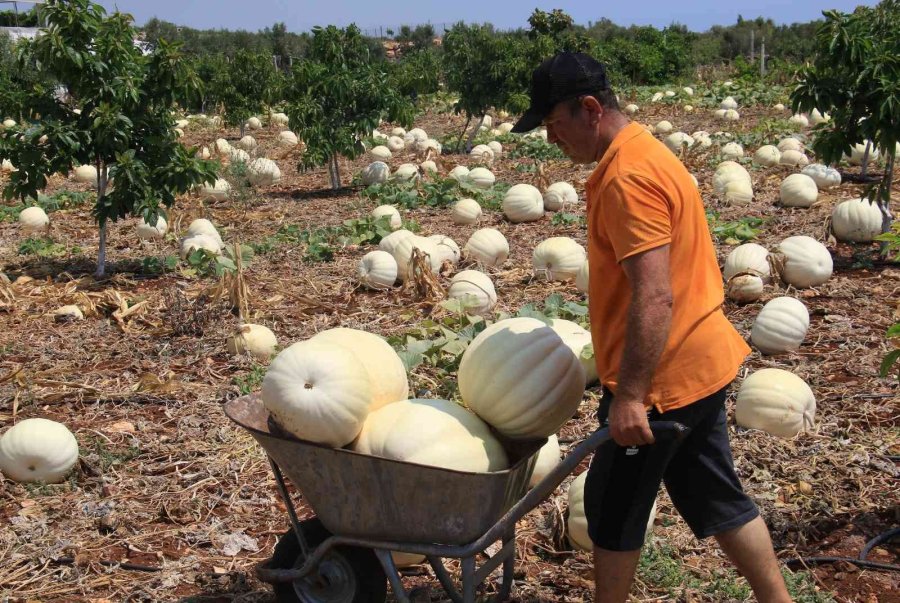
(234, 285)
(422, 279)
(541, 180)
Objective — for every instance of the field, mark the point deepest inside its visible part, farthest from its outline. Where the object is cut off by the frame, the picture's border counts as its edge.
(172, 502)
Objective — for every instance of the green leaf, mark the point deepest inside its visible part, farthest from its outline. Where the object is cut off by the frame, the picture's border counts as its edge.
(892, 358)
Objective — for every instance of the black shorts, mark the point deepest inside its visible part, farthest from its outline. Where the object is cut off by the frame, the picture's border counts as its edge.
(622, 483)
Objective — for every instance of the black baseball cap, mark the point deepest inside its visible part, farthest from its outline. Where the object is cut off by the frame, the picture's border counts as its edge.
(561, 77)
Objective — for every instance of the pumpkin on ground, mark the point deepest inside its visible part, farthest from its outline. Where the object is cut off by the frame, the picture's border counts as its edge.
(777, 402)
(780, 326)
(38, 450)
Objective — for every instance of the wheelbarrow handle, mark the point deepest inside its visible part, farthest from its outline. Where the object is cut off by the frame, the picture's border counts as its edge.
(544, 488)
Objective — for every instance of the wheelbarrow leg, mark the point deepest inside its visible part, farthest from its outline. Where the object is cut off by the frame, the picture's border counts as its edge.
(509, 566)
(468, 579)
(437, 564)
(289, 505)
(393, 576)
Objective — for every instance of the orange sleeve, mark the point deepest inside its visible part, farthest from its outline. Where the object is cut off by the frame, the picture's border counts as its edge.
(637, 215)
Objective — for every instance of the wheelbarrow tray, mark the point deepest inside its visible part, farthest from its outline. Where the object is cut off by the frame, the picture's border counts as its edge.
(373, 498)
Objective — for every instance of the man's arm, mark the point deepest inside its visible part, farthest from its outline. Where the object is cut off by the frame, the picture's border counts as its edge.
(646, 334)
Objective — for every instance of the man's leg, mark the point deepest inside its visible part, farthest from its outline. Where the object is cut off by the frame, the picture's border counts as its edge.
(613, 574)
(750, 549)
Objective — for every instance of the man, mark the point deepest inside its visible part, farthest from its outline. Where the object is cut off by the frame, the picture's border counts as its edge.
(663, 346)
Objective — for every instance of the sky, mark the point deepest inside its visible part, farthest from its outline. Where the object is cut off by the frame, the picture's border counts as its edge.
(698, 15)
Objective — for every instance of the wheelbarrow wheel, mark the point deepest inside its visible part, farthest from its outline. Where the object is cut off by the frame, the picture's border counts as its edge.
(345, 575)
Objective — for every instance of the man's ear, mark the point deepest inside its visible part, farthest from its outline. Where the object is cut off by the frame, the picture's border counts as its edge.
(593, 108)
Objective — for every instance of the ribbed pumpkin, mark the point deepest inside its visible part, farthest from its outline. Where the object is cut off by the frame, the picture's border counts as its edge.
(395, 144)
(319, 392)
(737, 193)
(799, 119)
(376, 172)
(447, 249)
(523, 203)
(391, 241)
(287, 139)
(559, 195)
(767, 156)
(481, 177)
(731, 115)
(205, 227)
(777, 402)
(576, 526)
(406, 171)
(247, 143)
(460, 173)
(263, 172)
(858, 153)
(728, 103)
(799, 190)
(677, 141)
(236, 155)
(254, 123)
(520, 377)
(824, 176)
(34, 220)
(732, 151)
(475, 289)
(663, 127)
(86, 174)
(729, 171)
(465, 211)
(795, 158)
(203, 242)
(218, 191)
(744, 288)
(780, 326)
(381, 153)
(548, 458)
(147, 232)
(856, 221)
(38, 450)
(387, 375)
(257, 340)
(558, 259)
(807, 262)
(747, 257)
(377, 270)
(582, 279)
(488, 246)
(577, 338)
(391, 213)
(403, 252)
(483, 153)
(437, 433)
(790, 144)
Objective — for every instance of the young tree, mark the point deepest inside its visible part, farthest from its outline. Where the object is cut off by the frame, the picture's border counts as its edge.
(854, 78)
(116, 117)
(248, 86)
(338, 95)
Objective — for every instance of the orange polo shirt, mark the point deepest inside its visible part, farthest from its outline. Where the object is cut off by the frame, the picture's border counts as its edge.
(640, 197)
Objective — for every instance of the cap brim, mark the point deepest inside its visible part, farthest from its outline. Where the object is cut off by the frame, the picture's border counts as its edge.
(529, 121)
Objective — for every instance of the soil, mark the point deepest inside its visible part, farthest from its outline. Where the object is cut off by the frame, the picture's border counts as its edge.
(168, 484)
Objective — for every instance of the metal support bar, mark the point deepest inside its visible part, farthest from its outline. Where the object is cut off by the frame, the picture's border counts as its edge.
(509, 567)
(494, 562)
(468, 579)
(292, 513)
(393, 576)
(443, 576)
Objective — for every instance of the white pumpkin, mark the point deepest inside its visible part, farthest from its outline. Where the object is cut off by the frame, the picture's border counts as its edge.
(856, 221)
(807, 262)
(798, 119)
(398, 131)
(6, 167)
(481, 177)
(792, 157)
(824, 176)
(777, 402)
(223, 147)
(437, 433)
(816, 118)
(731, 115)
(395, 144)
(767, 156)
(147, 232)
(475, 289)
(86, 174)
(280, 119)
(236, 155)
(205, 242)
(744, 288)
(381, 153)
(520, 377)
(447, 249)
(254, 123)
(523, 203)
(729, 171)
(799, 190)
(496, 147)
(790, 144)
(204, 226)
(219, 191)
(416, 134)
(558, 259)
(263, 172)
(728, 103)
(738, 192)
(663, 127)
(505, 127)
(422, 146)
(460, 173)
(488, 246)
(720, 113)
(702, 139)
(203, 154)
(376, 172)
(688, 108)
(287, 139)
(179, 133)
(391, 241)
(407, 172)
(378, 136)
(377, 270)
(247, 143)
(576, 526)
(858, 153)
(749, 257)
(465, 211)
(9, 123)
(780, 326)
(582, 279)
(38, 450)
(631, 109)
(428, 167)
(70, 312)
(403, 252)
(732, 151)
(482, 152)
(389, 211)
(257, 340)
(677, 141)
(559, 195)
(387, 375)
(548, 458)
(778, 107)
(33, 220)
(576, 339)
(318, 391)
(657, 97)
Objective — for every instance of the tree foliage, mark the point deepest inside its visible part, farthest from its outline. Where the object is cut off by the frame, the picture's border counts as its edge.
(115, 116)
(338, 95)
(855, 77)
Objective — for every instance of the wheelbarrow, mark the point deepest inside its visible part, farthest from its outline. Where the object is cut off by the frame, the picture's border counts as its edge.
(367, 507)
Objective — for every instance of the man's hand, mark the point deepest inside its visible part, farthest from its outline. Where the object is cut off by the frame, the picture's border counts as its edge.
(628, 423)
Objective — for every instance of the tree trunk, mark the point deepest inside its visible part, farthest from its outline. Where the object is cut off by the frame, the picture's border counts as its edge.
(463, 133)
(243, 125)
(333, 173)
(865, 159)
(101, 192)
(337, 172)
(473, 134)
(884, 202)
